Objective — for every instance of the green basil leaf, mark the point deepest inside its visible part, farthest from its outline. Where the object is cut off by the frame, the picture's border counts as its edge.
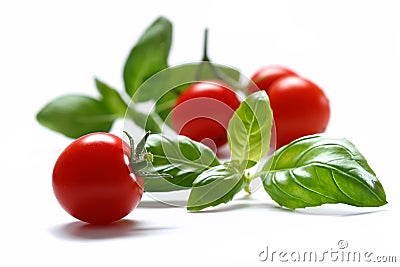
(228, 73)
(76, 115)
(165, 104)
(150, 122)
(206, 70)
(181, 158)
(317, 169)
(215, 186)
(111, 99)
(249, 130)
(149, 55)
(176, 79)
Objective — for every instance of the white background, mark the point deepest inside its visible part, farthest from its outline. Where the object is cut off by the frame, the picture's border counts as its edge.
(48, 48)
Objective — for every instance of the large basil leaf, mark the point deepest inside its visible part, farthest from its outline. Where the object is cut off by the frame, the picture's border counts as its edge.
(76, 115)
(317, 169)
(181, 158)
(249, 130)
(215, 186)
(149, 55)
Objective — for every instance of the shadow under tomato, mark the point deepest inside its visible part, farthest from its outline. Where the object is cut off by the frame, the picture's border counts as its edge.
(124, 228)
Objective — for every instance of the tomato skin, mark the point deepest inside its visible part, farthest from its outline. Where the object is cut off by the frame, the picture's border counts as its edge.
(203, 112)
(92, 182)
(265, 76)
(300, 108)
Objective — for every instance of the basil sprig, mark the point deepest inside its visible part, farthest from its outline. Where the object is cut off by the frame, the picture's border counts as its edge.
(249, 132)
(311, 171)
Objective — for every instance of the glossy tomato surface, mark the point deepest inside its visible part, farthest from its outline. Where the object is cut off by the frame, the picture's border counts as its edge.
(264, 77)
(202, 112)
(300, 108)
(93, 183)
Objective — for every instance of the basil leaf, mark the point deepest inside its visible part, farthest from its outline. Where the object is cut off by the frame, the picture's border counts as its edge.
(76, 115)
(149, 55)
(181, 158)
(249, 130)
(215, 186)
(111, 99)
(176, 79)
(150, 122)
(165, 103)
(316, 169)
(206, 70)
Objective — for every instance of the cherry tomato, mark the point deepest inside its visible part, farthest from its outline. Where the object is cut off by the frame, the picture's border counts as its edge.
(266, 75)
(202, 112)
(300, 108)
(93, 183)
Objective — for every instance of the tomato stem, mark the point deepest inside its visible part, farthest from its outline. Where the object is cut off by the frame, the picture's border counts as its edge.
(141, 159)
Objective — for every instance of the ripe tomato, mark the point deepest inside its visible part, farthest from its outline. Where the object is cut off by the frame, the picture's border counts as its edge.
(202, 112)
(93, 183)
(300, 108)
(266, 75)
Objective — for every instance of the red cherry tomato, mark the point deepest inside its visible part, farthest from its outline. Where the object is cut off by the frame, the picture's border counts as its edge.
(93, 183)
(202, 112)
(266, 75)
(300, 108)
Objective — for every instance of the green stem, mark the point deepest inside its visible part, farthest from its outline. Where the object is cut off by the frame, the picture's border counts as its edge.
(247, 181)
(219, 75)
(205, 46)
(206, 60)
